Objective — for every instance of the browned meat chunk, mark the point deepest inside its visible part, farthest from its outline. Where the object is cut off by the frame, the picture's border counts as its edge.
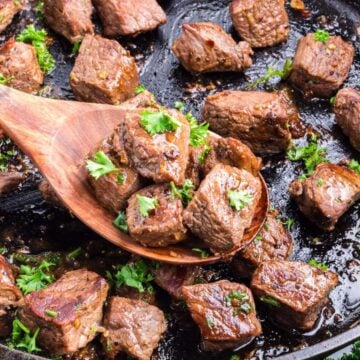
(294, 291)
(104, 72)
(320, 68)
(259, 119)
(8, 9)
(195, 165)
(163, 225)
(142, 100)
(129, 17)
(215, 216)
(273, 242)
(10, 181)
(49, 194)
(347, 110)
(19, 64)
(206, 47)
(9, 295)
(327, 194)
(225, 313)
(162, 157)
(261, 23)
(68, 312)
(70, 18)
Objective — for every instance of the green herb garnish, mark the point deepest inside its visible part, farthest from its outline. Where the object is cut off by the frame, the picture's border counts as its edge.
(121, 178)
(5, 80)
(180, 106)
(234, 357)
(288, 223)
(320, 182)
(198, 132)
(76, 47)
(203, 254)
(258, 238)
(100, 165)
(184, 194)
(269, 300)
(321, 35)
(202, 156)
(240, 301)
(355, 352)
(74, 254)
(354, 165)
(210, 322)
(320, 266)
(146, 204)
(51, 313)
(158, 122)
(140, 89)
(120, 222)
(239, 199)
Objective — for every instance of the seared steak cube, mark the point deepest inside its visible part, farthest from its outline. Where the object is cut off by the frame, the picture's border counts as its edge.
(8, 9)
(259, 119)
(142, 100)
(327, 194)
(9, 295)
(261, 23)
(195, 166)
(70, 18)
(273, 242)
(19, 64)
(319, 68)
(132, 326)
(206, 47)
(163, 156)
(347, 110)
(225, 313)
(68, 312)
(104, 72)
(10, 181)
(295, 292)
(49, 194)
(129, 17)
(162, 225)
(213, 215)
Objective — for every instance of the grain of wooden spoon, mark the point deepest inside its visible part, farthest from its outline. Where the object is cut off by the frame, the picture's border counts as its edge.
(57, 135)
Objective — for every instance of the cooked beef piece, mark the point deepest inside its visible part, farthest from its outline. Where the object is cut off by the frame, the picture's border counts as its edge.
(195, 166)
(132, 326)
(8, 9)
(347, 110)
(10, 181)
(273, 242)
(210, 216)
(9, 295)
(70, 18)
(49, 194)
(327, 194)
(172, 278)
(104, 72)
(162, 157)
(206, 47)
(18, 63)
(129, 17)
(163, 225)
(147, 295)
(259, 119)
(142, 100)
(294, 291)
(320, 68)
(77, 300)
(225, 313)
(261, 23)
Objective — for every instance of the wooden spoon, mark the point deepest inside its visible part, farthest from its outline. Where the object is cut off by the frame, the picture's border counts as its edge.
(57, 135)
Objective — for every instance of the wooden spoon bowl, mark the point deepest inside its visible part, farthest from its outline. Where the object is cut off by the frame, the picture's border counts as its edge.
(57, 135)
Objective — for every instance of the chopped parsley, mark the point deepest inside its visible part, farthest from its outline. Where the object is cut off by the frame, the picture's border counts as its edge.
(239, 199)
(76, 47)
(121, 178)
(234, 357)
(184, 194)
(321, 35)
(38, 39)
(320, 266)
(74, 254)
(100, 165)
(158, 122)
(210, 322)
(270, 300)
(202, 156)
(355, 352)
(146, 204)
(271, 72)
(51, 313)
(5, 80)
(289, 222)
(354, 165)
(320, 182)
(258, 238)
(140, 89)
(240, 301)
(333, 100)
(120, 222)
(180, 106)
(203, 254)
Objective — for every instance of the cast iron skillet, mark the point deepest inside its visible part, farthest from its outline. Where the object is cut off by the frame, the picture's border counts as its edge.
(27, 223)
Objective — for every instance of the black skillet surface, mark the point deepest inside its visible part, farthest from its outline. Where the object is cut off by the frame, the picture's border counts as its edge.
(27, 224)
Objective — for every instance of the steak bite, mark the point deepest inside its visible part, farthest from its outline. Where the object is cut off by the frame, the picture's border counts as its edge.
(225, 313)
(104, 72)
(129, 17)
(10, 180)
(68, 312)
(327, 194)
(70, 18)
(206, 47)
(142, 100)
(19, 64)
(261, 23)
(347, 111)
(163, 224)
(215, 216)
(319, 68)
(259, 119)
(273, 242)
(294, 291)
(8, 9)
(132, 326)
(163, 156)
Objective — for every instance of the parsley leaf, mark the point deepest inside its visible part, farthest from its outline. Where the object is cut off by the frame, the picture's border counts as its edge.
(269, 300)
(51, 313)
(180, 106)
(321, 35)
(120, 222)
(140, 89)
(240, 301)
(76, 47)
(120, 178)
(239, 199)
(4, 80)
(198, 132)
(33, 279)
(288, 223)
(146, 204)
(354, 165)
(100, 165)
(184, 193)
(202, 156)
(21, 338)
(355, 352)
(158, 122)
(320, 266)
(235, 357)
(203, 254)
(74, 254)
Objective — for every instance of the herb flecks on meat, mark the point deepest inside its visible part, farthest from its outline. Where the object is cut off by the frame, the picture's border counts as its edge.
(239, 199)
(184, 194)
(100, 165)
(320, 266)
(146, 204)
(158, 122)
(120, 222)
(321, 35)
(355, 166)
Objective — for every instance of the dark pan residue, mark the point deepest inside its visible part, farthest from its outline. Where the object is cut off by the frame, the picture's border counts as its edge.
(29, 224)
